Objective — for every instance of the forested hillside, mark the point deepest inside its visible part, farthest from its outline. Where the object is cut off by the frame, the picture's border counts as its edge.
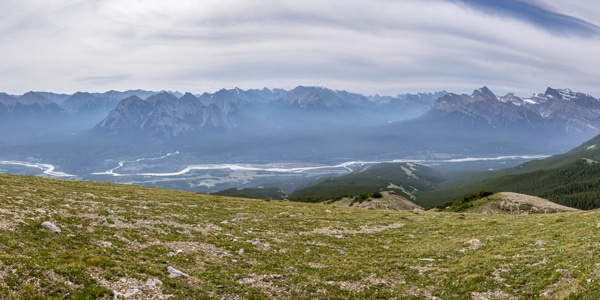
(406, 179)
(575, 185)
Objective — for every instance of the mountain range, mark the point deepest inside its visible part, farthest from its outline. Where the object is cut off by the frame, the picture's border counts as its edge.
(84, 132)
(164, 115)
(167, 114)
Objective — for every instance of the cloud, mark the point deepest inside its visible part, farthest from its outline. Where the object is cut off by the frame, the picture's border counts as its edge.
(536, 14)
(378, 46)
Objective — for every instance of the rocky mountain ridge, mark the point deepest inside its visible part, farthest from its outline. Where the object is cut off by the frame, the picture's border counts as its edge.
(169, 116)
(560, 109)
(311, 122)
(188, 112)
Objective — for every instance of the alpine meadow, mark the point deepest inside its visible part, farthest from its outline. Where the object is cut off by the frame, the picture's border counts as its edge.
(440, 149)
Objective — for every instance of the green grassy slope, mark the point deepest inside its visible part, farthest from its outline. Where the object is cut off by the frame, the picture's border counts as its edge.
(123, 239)
(405, 179)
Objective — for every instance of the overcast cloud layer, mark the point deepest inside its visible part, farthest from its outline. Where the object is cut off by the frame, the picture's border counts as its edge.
(366, 46)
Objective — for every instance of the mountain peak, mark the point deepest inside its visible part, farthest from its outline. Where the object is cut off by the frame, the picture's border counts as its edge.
(7, 99)
(33, 98)
(552, 92)
(565, 94)
(484, 93)
(162, 98)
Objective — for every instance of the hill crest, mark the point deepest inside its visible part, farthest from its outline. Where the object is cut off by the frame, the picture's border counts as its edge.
(518, 204)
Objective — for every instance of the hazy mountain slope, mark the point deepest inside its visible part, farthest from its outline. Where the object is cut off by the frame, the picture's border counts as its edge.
(82, 102)
(405, 179)
(569, 179)
(485, 123)
(272, 110)
(143, 243)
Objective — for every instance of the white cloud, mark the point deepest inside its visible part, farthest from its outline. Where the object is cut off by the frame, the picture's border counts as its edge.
(378, 46)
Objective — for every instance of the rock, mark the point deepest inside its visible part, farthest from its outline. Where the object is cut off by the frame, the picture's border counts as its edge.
(225, 222)
(241, 251)
(539, 243)
(474, 244)
(563, 271)
(153, 282)
(426, 259)
(129, 293)
(277, 276)
(175, 273)
(245, 280)
(171, 254)
(41, 211)
(51, 227)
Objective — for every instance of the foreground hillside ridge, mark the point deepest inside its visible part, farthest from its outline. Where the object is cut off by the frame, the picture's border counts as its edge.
(387, 200)
(515, 203)
(122, 241)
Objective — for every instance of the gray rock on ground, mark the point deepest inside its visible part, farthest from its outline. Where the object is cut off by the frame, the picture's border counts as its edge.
(175, 273)
(51, 227)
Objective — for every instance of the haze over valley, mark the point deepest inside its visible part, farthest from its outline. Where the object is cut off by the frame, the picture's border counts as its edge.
(281, 138)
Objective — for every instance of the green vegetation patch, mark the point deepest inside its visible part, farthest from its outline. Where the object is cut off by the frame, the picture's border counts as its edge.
(406, 179)
(468, 201)
(253, 193)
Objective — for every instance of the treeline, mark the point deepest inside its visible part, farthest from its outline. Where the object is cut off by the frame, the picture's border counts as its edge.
(465, 202)
(254, 193)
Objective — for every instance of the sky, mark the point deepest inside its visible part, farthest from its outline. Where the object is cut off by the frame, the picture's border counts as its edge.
(384, 47)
